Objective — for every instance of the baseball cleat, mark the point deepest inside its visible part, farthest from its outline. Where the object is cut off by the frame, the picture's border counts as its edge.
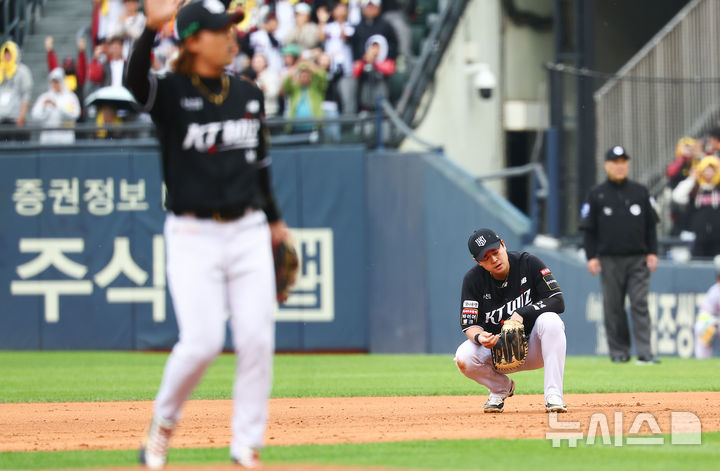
(647, 361)
(154, 448)
(554, 403)
(247, 457)
(496, 404)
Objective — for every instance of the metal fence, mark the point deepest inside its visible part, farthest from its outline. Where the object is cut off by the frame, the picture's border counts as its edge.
(669, 89)
(382, 128)
(16, 18)
(347, 129)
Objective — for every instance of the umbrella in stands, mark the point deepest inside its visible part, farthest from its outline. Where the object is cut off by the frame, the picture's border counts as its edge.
(117, 97)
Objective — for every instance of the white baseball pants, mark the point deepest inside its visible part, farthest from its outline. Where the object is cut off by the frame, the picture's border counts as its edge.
(702, 351)
(546, 347)
(215, 268)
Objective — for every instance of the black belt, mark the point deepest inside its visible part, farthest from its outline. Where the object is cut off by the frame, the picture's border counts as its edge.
(220, 215)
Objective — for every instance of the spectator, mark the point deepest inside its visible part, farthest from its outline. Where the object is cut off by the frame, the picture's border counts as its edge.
(336, 37)
(620, 238)
(285, 13)
(107, 66)
(164, 50)
(57, 107)
(322, 10)
(305, 32)
(331, 103)
(699, 193)
(305, 88)
(111, 106)
(75, 72)
(374, 47)
(268, 81)
(131, 25)
(354, 12)
(107, 115)
(291, 54)
(708, 319)
(108, 13)
(239, 62)
(395, 12)
(94, 22)
(255, 13)
(164, 53)
(16, 85)
(712, 144)
(685, 159)
(686, 155)
(263, 41)
(371, 25)
(372, 71)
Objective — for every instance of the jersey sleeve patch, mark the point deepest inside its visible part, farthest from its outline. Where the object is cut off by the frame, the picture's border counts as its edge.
(469, 303)
(550, 281)
(469, 316)
(545, 271)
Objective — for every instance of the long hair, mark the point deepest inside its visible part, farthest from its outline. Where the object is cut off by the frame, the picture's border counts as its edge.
(184, 62)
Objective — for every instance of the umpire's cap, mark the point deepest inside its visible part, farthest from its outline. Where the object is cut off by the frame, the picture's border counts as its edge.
(481, 241)
(616, 152)
(204, 14)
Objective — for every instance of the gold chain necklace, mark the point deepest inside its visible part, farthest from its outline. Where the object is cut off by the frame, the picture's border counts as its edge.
(504, 282)
(216, 98)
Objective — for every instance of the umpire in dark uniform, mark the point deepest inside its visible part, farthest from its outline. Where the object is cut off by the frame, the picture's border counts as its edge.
(620, 238)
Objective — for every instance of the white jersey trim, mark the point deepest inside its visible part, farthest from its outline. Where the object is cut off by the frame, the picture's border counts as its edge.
(264, 162)
(152, 93)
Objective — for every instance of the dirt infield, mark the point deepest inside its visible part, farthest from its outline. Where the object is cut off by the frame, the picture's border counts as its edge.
(120, 425)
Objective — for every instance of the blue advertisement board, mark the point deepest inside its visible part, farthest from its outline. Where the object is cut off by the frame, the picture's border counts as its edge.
(83, 257)
(382, 239)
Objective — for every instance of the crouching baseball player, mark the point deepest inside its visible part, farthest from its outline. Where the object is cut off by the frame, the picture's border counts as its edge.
(507, 295)
(708, 319)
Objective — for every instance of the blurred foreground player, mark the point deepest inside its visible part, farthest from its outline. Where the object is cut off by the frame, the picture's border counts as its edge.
(221, 220)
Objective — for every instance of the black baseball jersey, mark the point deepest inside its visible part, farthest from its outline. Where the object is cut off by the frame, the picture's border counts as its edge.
(619, 219)
(214, 155)
(530, 290)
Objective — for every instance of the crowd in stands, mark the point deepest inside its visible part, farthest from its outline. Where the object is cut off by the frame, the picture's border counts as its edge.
(312, 59)
(694, 179)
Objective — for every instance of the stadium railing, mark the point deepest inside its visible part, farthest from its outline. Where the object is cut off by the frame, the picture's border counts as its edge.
(378, 129)
(18, 18)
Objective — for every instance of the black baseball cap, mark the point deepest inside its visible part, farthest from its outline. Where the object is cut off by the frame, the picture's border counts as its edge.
(616, 152)
(204, 14)
(481, 241)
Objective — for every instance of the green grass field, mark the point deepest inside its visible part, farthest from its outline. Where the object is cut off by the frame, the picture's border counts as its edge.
(65, 376)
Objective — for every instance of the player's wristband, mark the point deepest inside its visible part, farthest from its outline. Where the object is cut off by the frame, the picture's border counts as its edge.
(476, 339)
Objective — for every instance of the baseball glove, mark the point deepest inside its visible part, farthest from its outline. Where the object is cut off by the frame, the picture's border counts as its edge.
(706, 328)
(511, 349)
(286, 268)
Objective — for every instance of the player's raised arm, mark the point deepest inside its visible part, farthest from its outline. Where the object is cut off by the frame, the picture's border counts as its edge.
(157, 13)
